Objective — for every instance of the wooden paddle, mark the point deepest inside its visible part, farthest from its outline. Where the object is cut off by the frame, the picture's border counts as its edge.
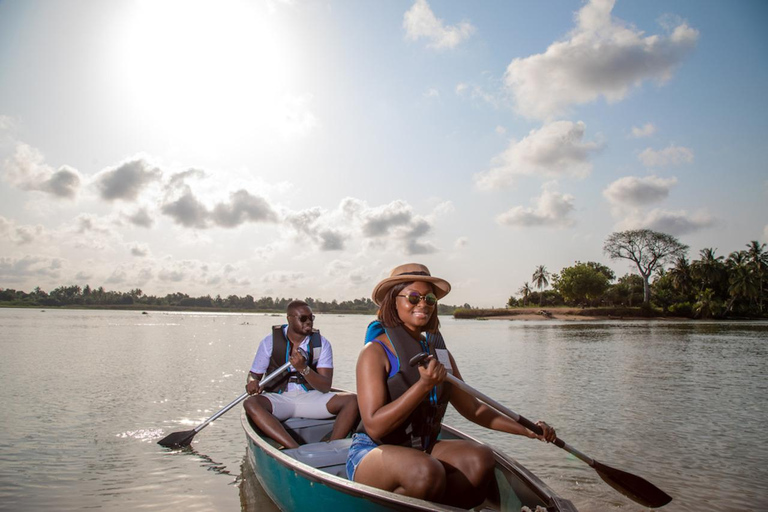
(181, 439)
(632, 486)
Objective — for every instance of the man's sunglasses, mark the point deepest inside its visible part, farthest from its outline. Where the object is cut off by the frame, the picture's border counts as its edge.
(414, 298)
(305, 318)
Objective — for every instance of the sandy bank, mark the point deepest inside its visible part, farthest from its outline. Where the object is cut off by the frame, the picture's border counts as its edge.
(567, 314)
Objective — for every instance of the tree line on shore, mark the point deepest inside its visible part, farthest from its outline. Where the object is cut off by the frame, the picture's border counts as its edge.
(667, 283)
(75, 296)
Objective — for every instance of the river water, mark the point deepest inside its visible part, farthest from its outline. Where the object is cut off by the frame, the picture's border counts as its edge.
(86, 395)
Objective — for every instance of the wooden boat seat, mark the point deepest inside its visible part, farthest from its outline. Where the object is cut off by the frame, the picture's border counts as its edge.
(330, 456)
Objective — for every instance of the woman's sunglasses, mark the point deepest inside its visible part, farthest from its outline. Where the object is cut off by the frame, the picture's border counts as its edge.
(414, 298)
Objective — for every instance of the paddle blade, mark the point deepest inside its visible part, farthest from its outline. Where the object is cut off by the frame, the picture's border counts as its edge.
(632, 486)
(177, 439)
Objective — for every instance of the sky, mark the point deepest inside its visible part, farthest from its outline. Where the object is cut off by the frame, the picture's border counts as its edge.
(305, 148)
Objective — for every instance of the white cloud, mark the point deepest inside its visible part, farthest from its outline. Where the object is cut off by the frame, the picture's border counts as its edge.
(187, 211)
(27, 170)
(127, 180)
(118, 276)
(13, 270)
(671, 155)
(311, 224)
(20, 235)
(243, 207)
(461, 88)
(7, 123)
(140, 250)
(395, 222)
(83, 276)
(646, 130)
(420, 22)
(634, 192)
(602, 56)
(338, 268)
(500, 130)
(432, 92)
(461, 242)
(283, 277)
(140, 218)
(185, 208)
(90, 232)
(171, 274)
(556, 149)
(550, 209)
(675, 223)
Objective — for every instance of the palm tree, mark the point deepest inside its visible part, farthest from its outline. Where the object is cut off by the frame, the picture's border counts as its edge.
(525, 291)
(540, 278)
(708, 269)
(681, 275)
(758, 260)
(706, 304)
(742, 280)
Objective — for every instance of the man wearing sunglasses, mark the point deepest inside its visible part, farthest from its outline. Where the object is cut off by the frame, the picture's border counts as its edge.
(304, 391)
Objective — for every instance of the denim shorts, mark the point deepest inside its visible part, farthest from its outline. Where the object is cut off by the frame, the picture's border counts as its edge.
(361, 445)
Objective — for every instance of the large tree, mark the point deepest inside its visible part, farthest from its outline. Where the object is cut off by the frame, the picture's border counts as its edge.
(648, 250)
(583, 282)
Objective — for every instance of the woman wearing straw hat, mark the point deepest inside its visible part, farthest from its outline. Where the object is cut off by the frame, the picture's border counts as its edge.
(396, 448)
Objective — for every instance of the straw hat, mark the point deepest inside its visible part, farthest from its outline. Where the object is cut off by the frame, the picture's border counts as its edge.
(408, 273)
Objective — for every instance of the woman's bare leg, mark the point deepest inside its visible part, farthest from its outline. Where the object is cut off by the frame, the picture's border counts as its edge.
(403, 470)
(469, 471)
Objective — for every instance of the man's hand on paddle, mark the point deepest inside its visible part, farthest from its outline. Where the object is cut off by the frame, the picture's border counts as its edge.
(253, 387)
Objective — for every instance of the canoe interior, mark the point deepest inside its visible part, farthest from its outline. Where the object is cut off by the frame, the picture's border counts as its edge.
(320, 461)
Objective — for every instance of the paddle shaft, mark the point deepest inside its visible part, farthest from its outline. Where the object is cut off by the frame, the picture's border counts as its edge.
(518, 418)
(262, 383)
(181, 439)
(634, 487)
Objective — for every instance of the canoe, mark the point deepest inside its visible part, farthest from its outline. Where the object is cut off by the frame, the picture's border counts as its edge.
(313, 476)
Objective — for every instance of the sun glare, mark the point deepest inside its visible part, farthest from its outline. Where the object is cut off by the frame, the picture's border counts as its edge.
(207, 76)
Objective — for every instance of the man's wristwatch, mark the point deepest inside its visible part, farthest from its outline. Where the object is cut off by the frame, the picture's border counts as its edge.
(305, 371)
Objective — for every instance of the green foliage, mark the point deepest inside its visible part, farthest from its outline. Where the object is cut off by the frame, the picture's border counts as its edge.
(707, 305)
(684, 309)
(708, 287)
(583, 283)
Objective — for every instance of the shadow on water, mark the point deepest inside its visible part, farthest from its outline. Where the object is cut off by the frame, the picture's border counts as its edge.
(208, 463)
(253, 498)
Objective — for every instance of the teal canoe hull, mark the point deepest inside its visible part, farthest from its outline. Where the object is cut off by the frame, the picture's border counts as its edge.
(295, 486)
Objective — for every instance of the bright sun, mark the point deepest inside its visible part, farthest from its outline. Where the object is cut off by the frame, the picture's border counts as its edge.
(210, 75)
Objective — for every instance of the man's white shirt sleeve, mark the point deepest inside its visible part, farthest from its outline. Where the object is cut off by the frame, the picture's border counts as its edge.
(326, 354)
(261, 360)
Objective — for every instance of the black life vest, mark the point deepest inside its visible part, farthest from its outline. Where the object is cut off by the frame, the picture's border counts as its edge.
(281, 352)
(422, 428)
